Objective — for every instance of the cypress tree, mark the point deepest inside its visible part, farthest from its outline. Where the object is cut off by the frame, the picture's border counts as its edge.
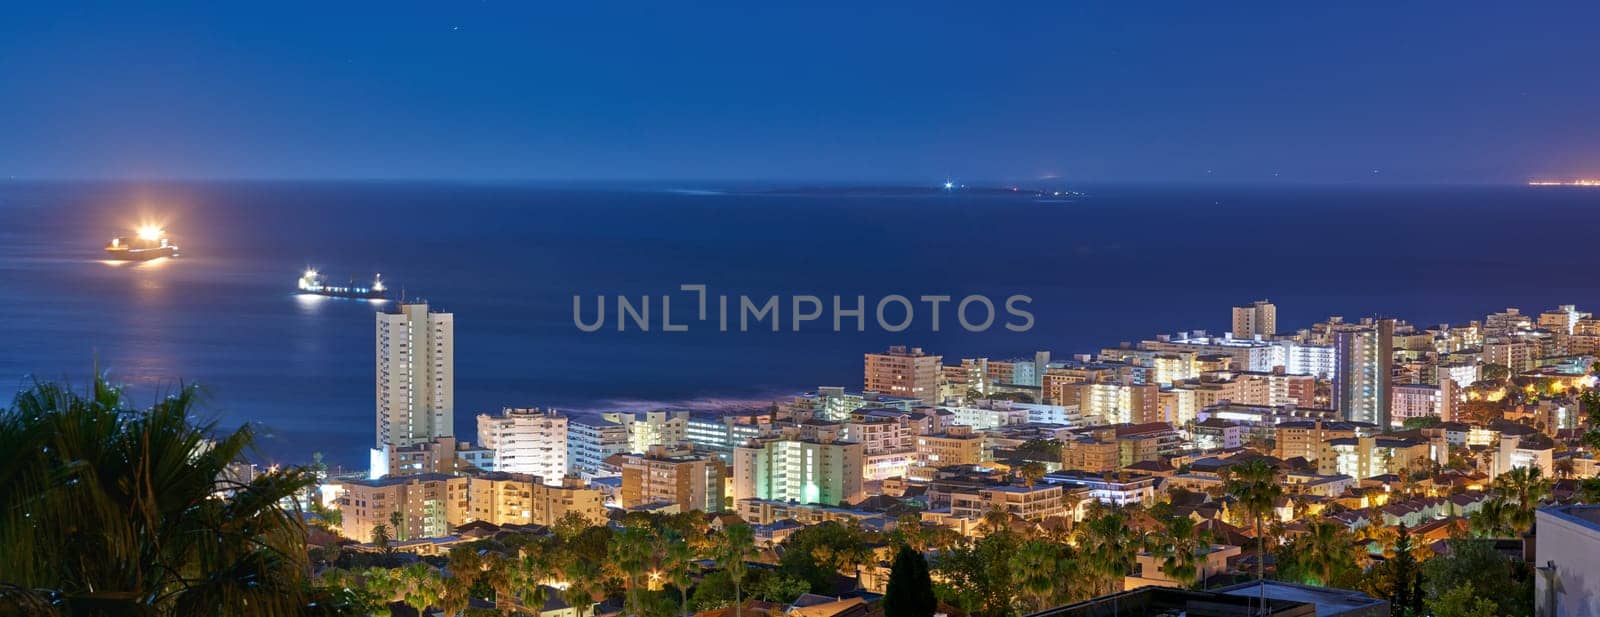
(910, 592)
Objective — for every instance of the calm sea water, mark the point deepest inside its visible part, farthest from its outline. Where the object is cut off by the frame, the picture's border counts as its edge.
(1120, 264)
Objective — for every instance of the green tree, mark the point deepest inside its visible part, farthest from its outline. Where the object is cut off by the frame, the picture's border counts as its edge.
(417, 587)
(1475, 562)
(1031, 472)
(397, 523)
(733, 547)
(1326, 556)
(678, 561)
(819, 552)
(380, 538)
(779, 587)
(1044, 574)
(1255, 486)
(1180, 546)
(976, 577)
(116, 509)
(1524, 488)
(496, 573)
(1107, 548)
(634, 553)
(1399, 578)
(528, 575)
(910, 591)
(1493, 519)
(1463, 601)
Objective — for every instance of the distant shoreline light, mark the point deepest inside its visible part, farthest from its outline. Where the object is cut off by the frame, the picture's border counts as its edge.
(1583, 182)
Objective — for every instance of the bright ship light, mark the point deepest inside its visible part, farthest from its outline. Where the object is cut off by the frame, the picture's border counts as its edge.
(308, 282)
(150, 233)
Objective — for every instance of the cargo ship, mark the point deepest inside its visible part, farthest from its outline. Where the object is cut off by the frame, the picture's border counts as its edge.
(149, 242)
(312, 282)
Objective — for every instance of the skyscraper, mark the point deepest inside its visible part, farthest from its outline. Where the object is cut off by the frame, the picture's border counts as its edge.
(1362, 381)
(1258, 319)
(415, 379)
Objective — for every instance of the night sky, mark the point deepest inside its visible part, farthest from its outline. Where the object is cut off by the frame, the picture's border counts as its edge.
(1453, 92)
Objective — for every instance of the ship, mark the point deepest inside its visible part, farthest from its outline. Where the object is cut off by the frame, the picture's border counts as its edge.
(312, 282)
(149, 242)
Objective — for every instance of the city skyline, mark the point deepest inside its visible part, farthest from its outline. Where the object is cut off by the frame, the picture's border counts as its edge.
(726, 310)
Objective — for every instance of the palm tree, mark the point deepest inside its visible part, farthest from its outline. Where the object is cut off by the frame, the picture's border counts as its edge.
(735, 545)
(1107, 547)
(995, 520)
(453, 592)
(633, 551)
(1493, 518)
(1254, 485)
(417, 587)
(384, 583)
(1031, 472)
(1040, 570)
(527, 576)
(130, 511)
(679, 557)
(1326, 550)
(1179, 545)
(1524, 488)
(496, 571)
(585, 577)
(380, 538)
(397, 522)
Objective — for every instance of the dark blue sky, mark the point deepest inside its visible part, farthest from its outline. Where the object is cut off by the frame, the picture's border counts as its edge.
(1115, 91)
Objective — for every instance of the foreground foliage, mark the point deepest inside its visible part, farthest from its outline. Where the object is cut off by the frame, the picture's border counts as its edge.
(110, 510)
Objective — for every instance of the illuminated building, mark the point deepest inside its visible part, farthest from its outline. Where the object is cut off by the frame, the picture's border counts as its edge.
(1114, 403)
(415, 379)
(1512, 353)
(957, 445)
(1362, 384)
(520, 499)
(663, 476)
(1419, 400)
(799, 470)
(904, 372)
(1563, 319)
(1113, 490)
(439, 455)
(720, 432)
(836, 404)
(1258, 320)
(1311, 440)
(1096, 451)
(1032, 504)
(527, 441)
(1217, 433)
(591, 440)
(1365, 457)
(429, 504)
(1506, 322)
(767, 512)
(985, 415)
(652, 428)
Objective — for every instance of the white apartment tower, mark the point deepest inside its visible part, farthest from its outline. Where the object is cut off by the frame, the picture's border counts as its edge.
(527, 441)
(1259, 319)
(415, 379)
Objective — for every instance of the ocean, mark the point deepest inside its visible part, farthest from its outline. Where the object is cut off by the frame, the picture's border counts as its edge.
(1119, 263)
